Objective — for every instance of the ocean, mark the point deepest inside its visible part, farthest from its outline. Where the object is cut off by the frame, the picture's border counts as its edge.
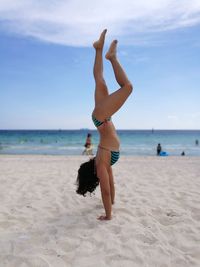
(71, 142)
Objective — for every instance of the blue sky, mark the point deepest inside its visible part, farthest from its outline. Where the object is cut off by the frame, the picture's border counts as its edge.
(46, 60)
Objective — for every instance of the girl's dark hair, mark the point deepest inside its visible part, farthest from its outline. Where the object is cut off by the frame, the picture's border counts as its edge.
(87, 179)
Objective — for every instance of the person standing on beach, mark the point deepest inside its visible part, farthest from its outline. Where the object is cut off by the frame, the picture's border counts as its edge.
(159, 149)
(99, 170)
(88, 145)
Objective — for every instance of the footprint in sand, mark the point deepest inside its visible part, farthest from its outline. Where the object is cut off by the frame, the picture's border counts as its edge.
(166, 218)
(146, 238)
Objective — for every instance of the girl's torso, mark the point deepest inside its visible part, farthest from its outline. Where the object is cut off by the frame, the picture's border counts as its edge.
(108, 135)
(108, 149)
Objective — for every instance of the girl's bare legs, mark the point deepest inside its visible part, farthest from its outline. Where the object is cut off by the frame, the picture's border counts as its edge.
(113, 102)
(111, 55)
(101, 90)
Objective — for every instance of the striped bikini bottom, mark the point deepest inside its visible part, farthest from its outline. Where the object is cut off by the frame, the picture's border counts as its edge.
(114, 155)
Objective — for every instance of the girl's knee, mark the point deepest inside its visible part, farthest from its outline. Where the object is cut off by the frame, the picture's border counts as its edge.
(129, 87)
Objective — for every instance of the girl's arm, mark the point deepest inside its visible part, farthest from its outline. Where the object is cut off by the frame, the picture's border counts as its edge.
(112, 186)
(105, 192)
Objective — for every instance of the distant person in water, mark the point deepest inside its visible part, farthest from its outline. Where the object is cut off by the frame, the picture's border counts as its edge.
(183, 153)
(159, 149)
(88, 145)
(196, 142)
(99, 170)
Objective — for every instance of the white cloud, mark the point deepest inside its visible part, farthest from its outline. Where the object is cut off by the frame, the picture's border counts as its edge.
(196, 115)
(172, 117)
(78, 23)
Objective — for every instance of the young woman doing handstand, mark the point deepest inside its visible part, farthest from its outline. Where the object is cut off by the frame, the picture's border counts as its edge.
(99, 170)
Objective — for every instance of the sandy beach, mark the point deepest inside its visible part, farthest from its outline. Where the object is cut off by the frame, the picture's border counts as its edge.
(156, 216)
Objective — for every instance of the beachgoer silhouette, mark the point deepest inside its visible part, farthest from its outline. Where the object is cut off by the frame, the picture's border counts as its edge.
(159, 149)
(88, 145)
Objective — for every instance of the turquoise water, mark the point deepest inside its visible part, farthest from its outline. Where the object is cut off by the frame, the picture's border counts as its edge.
(70, 142)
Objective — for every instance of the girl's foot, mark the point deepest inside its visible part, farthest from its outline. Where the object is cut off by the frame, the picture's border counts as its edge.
(112, 52)
(103, 218)
(99, 44)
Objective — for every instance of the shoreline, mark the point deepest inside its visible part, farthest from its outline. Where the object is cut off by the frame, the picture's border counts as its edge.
(85, 156)
(43, 222)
